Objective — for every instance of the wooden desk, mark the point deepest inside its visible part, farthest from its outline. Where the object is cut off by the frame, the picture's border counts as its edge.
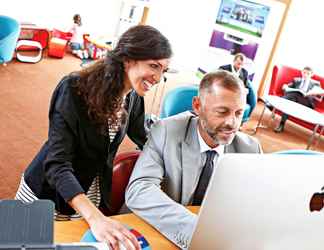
(72, 231)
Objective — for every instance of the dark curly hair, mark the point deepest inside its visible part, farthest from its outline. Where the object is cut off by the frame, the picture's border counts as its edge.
(101, 85)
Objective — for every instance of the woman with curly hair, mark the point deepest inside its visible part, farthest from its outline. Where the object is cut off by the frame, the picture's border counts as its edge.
(90, 113)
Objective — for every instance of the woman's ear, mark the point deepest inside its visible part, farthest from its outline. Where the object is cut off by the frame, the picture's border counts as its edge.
(128, 63)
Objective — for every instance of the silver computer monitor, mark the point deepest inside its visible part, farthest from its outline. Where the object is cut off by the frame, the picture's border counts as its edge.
(262, 202)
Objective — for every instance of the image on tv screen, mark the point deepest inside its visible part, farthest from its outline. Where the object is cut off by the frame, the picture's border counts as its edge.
(242, 15)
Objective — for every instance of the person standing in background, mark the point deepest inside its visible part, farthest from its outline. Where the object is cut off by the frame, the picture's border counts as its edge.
(76, 42)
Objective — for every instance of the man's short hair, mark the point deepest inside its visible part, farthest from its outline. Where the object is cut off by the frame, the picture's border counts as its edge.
(239, 56)
(308, 68)
(223, 78)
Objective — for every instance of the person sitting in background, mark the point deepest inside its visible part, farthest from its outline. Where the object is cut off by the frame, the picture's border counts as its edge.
(76, 42)
(298, 91)
(237, 68)
(90, 113)
(177, 161)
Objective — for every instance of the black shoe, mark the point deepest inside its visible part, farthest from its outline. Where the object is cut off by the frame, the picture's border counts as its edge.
(280, 128)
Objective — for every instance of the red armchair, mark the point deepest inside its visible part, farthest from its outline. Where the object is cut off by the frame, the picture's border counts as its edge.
(282, 75)
(123, 167)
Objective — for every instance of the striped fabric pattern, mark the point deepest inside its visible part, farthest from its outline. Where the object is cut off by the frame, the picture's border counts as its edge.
(26, 195)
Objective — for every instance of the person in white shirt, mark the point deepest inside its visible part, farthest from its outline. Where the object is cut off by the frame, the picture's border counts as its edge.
(174, 168)
(237, 68)
(77, 42)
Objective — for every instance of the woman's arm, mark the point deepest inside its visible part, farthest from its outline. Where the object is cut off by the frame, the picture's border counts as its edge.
(103, 228)
(63, 140)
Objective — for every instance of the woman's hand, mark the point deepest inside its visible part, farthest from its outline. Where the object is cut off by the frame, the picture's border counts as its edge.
(103, 228)
(113, 232)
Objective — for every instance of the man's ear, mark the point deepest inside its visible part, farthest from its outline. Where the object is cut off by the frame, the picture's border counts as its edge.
(196, 105)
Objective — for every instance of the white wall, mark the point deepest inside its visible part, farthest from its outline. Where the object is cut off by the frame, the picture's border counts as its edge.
(188, 26)
(99, 16)
(301, 41)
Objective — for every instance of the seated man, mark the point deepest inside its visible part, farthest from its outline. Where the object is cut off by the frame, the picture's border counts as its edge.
(174, 168)
(300, 91)
(237, 68)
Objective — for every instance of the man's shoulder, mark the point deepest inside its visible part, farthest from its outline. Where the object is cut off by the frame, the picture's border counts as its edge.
(174, 124)
(225, 67)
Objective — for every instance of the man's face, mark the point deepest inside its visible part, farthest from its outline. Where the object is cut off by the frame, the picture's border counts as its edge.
(238, 63)
(307, 74)
(220, 115)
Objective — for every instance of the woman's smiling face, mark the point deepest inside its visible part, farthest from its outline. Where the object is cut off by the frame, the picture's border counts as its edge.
(141, 75)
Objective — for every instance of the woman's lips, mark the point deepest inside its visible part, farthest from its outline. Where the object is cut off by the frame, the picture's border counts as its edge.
(147, 85)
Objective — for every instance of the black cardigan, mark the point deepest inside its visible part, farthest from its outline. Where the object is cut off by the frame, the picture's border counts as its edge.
(75, 151)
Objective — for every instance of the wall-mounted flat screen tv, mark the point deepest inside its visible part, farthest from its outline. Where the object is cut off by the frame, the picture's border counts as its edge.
(242, 15)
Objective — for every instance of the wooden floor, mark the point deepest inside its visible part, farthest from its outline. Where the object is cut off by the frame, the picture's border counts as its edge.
(24, 98)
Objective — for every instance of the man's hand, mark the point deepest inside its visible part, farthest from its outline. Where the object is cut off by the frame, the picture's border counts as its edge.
(284, 87)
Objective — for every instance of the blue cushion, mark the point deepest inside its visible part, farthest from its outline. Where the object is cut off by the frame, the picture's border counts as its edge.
(299, 152)
(246, 114)
(9, 32)
(178, 100)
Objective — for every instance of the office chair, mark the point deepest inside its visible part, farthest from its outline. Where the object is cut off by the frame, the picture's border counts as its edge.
(9, 33)
(122, 170)
(178, 100)
(299, 152)
(250, 103)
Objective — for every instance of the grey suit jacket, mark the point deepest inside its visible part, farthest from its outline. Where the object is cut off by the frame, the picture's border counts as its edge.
(297, 81)
(167, 173)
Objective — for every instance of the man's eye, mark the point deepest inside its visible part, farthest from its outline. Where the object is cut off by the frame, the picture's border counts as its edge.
(221, 112)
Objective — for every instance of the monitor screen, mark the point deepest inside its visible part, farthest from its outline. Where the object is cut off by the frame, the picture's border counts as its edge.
(242, 15)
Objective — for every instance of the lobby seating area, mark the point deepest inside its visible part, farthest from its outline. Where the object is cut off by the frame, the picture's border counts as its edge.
(284, 74)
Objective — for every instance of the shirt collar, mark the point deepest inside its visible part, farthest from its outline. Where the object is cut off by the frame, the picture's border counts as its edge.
(237, 72)
(204, 147)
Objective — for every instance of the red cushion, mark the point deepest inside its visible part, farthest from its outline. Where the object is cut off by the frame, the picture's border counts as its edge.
(122, 170)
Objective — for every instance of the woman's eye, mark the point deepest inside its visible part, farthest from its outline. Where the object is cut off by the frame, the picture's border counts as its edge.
(154, 66)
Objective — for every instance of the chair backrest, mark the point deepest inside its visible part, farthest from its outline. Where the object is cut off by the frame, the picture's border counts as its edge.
(122, 170)
(299, 152)
(61, 34)
(251, 101)
(178, 100)
(9, 32)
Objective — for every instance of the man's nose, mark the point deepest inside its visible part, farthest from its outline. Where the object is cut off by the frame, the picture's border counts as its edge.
(231, 120)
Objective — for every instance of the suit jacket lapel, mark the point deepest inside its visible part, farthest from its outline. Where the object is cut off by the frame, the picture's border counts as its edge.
(230, 148)
(190, 162)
